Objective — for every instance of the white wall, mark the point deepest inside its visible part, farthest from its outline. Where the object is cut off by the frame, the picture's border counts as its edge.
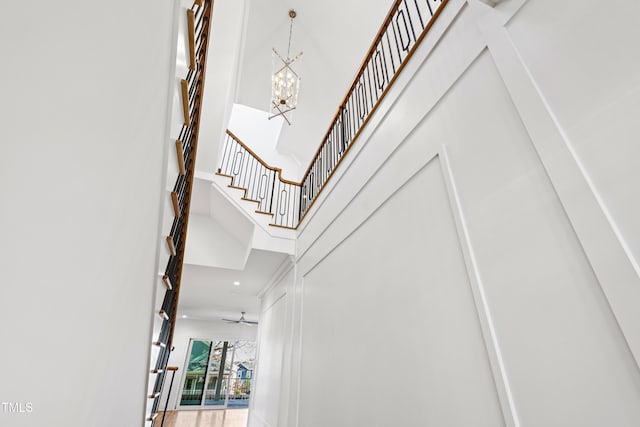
(270, 389)
(254, 128)
(187, 329)
(476, 262)
(84, 106)
(210, 244)
(222, 74)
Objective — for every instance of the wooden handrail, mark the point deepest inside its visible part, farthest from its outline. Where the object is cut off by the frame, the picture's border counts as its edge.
(363, 64)
(258, 158)
(186, 145)
(262, 162)
(172, 368)
(200, 71)
(260, 182)
(383, 28)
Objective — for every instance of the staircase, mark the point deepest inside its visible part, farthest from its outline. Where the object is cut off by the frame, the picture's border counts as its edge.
(273, 204)
(274, 200)
(198, 19)
(219, 209)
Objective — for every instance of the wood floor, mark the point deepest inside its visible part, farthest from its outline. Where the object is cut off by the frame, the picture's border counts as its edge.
(208, 418)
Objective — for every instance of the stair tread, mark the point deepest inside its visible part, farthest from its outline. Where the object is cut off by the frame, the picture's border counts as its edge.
(224, 174)
(250, 200)
(283, 226)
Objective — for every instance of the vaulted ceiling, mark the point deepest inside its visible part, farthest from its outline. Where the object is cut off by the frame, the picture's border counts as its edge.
(334, 36)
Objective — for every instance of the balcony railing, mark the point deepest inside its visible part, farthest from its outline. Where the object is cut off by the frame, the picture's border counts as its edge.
(402, 31)
(234, 389)
(198, 20)
(404, 27)
(263, 184)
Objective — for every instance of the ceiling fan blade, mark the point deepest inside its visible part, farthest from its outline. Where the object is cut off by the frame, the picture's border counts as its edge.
(242, 321)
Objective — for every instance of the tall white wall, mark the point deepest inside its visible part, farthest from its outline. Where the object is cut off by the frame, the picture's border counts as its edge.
(84, 106)
(270, 393)
(224, 53)
(476, 263)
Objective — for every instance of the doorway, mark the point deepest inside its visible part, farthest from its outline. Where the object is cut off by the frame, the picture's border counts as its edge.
(218, 374)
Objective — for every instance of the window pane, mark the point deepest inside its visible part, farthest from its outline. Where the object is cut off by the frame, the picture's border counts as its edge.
(196, 373)
(218, 378)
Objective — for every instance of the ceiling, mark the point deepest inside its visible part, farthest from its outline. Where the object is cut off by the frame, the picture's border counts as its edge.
(334, 36)
(208, 293)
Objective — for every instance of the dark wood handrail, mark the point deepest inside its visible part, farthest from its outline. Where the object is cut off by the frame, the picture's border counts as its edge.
(186, 145)
(363, 64)
(262, 162)
(260, 182)
(194, 125)
(359, 78)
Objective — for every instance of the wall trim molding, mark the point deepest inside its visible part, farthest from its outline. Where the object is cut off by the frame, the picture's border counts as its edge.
(449, 15)
(609, 257)
(285, 267)
(364, 219)
(490, 337)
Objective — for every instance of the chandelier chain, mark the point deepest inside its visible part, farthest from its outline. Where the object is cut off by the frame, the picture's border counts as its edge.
(290, 32)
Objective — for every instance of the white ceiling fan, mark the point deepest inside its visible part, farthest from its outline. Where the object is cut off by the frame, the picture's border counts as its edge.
(241, 321)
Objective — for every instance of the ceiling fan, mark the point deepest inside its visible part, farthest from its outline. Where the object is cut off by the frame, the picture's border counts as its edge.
(241, 321)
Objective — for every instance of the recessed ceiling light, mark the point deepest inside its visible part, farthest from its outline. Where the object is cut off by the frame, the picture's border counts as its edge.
(184, 316)
(236, 283)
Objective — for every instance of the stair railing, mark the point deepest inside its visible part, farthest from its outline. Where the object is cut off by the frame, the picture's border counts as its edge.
(261, 183)
(404, 27)
(173, 370)
(198, 26)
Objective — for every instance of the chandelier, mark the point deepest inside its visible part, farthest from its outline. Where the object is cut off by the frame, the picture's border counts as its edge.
(285, 82)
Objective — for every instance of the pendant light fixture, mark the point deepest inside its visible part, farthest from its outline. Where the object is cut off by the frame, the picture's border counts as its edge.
(285, 82)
